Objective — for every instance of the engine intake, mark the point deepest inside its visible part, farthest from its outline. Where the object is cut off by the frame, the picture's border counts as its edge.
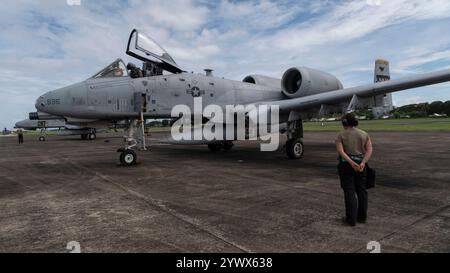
(303, 81)
(263, 80)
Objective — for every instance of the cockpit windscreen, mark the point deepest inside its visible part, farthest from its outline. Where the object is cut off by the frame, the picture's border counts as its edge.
(116, 69)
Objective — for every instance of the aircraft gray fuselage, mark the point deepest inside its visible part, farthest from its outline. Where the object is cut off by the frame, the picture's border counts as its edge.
(114, 98)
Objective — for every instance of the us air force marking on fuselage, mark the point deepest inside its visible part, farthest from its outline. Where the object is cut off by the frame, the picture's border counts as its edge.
(195, 92)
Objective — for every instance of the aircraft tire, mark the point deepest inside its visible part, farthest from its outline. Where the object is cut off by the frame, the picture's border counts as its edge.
(42, 138)
(92, 136)
(128, 157)
(294, 148)
(214, 147)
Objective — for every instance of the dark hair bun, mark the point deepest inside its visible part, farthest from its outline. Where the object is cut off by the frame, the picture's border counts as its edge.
(349, 120)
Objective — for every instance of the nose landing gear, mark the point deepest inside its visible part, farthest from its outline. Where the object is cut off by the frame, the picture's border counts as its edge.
(134, 137)
(92, 135)
(43, 134)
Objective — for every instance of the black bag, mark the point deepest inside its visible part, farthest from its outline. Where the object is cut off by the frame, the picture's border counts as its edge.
(370, 177)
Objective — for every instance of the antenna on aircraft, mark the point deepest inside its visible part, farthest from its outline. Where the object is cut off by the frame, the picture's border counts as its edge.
(208, 72)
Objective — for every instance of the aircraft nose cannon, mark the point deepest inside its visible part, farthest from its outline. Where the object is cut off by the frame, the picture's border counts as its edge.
(48, 106)
(53, 102)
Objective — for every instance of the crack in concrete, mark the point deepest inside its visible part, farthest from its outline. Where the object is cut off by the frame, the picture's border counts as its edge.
(158, 204)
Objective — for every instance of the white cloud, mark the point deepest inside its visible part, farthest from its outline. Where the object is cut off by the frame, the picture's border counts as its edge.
(355, 19)
(426, 58)
(178, 15)
(373, 2)
(257, 15)
(413, 100)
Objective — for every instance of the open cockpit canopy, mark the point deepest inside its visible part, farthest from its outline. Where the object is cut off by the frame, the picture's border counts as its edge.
(146, 49)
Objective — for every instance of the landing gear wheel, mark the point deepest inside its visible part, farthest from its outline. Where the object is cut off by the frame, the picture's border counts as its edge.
(294, 148)
(214, 147)
(128, 157)
(42, 138)
(228, 145)
(92, 136)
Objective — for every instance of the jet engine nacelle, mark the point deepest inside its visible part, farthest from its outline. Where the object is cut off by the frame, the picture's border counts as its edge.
(263, 80)
(303, 81)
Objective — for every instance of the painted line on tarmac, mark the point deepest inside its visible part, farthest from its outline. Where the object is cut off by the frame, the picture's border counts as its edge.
(408, 226)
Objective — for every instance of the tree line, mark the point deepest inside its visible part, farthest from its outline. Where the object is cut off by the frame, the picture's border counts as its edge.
(423, 109)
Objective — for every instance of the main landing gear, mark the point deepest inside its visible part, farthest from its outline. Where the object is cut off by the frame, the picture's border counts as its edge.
(43, 134)
(92, 135)
(134, 137)
(294, 148)
(128, 157)
(294, 145)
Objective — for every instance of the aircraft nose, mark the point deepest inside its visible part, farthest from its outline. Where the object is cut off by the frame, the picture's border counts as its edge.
(40, 102)
(19, 124)
(54, 102)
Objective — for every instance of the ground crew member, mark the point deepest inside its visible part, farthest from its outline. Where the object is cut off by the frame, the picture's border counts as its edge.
(20, 136)
(355, 149)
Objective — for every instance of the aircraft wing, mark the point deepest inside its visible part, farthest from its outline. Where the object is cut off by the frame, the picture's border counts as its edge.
(333, 97)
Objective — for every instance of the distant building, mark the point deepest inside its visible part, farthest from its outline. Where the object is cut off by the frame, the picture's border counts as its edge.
(436, 115)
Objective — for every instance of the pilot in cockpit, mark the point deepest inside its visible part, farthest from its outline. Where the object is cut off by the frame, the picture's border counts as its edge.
(134, 71)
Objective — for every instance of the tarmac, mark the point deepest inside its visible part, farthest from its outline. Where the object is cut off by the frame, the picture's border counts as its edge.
(188, 199)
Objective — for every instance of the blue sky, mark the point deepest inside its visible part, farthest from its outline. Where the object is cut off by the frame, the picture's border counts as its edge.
(48, 44)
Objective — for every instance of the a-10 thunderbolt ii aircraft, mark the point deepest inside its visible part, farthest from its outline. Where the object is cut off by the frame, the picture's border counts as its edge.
(116, 94)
